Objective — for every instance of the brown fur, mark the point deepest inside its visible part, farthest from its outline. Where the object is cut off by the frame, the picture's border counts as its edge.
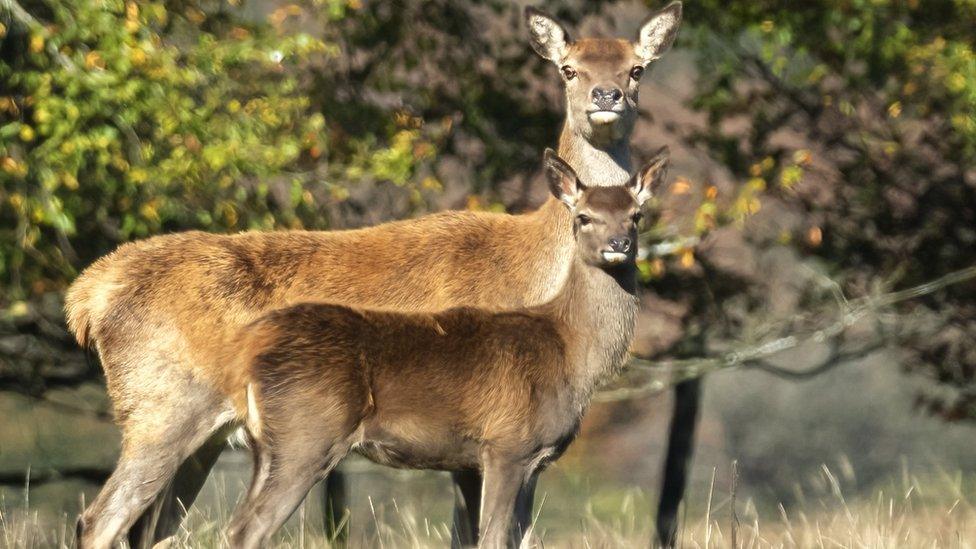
(161, 312)
(209, 285)
(466, 388)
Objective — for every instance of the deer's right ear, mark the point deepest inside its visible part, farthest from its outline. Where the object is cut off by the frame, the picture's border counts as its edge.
(649, 179)
(563, 182)
(548, 38)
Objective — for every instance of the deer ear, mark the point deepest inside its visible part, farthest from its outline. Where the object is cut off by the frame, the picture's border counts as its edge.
(648, 180)
(548, 38)
(658, 32)
(563, 182)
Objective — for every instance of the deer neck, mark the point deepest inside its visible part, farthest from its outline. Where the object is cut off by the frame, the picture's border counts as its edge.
(598, 309)
(598, 159)
(600, 156)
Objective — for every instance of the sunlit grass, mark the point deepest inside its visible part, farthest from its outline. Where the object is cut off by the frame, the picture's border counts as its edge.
(913, 512)
(936, 511)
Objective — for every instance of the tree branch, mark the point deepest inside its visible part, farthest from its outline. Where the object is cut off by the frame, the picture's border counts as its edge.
(756, 356)
(835, 359)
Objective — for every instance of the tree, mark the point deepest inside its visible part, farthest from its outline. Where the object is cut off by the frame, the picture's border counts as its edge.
(860, 115)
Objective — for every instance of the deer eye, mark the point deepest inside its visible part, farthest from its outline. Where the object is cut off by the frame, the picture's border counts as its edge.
(568, 72)
(636, 72)
(637, 217)
(584, 219)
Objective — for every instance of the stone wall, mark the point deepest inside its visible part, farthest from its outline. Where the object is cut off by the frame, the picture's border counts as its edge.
(57, 440)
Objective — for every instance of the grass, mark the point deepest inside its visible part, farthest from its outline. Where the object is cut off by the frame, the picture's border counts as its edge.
(931, 512)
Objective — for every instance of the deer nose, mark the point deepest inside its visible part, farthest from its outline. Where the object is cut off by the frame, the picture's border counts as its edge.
(620, 244)
(606, 98)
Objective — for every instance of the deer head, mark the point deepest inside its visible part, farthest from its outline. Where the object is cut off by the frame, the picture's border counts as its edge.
(602, 76)
(605, 218)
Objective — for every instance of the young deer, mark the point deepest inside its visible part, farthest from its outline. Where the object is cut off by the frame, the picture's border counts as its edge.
(500, 391)
(160, 312)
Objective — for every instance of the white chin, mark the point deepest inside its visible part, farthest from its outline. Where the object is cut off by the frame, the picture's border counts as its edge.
(604, 117)
(614, 257)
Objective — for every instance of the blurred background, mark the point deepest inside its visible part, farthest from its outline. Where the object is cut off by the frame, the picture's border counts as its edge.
(824, 160)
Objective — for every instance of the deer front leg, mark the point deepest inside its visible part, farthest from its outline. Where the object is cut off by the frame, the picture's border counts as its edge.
(504, 477)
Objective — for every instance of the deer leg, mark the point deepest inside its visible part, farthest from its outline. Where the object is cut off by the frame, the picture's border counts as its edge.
(150, 458)
(467, 507)
(281, 481)
(168, 512)
(334, 507)
(681, 440)
(504, 478)
(523, 508)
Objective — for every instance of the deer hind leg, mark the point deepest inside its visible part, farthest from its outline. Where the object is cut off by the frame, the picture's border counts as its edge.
(283, 476)
(298, 437)
(162, 519)
(155, 443)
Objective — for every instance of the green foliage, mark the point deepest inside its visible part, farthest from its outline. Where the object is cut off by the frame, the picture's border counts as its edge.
(886, 88)
(861, 113)
(917, 56)
(108, 122)
(126, 119)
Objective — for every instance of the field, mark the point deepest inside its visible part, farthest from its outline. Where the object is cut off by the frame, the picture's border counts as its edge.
(412, 510)
(894, 478)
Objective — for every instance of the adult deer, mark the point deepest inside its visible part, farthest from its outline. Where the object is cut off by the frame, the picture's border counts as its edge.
(160, 312)
(497, 390)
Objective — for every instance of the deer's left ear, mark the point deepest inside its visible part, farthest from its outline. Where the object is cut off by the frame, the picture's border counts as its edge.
(563, 182)
(658, 33)
(648, 180)
(548, 38)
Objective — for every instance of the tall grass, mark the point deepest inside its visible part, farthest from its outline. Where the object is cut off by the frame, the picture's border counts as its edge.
(931, 512)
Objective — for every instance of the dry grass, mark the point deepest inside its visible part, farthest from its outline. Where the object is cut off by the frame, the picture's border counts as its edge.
(932, 513)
